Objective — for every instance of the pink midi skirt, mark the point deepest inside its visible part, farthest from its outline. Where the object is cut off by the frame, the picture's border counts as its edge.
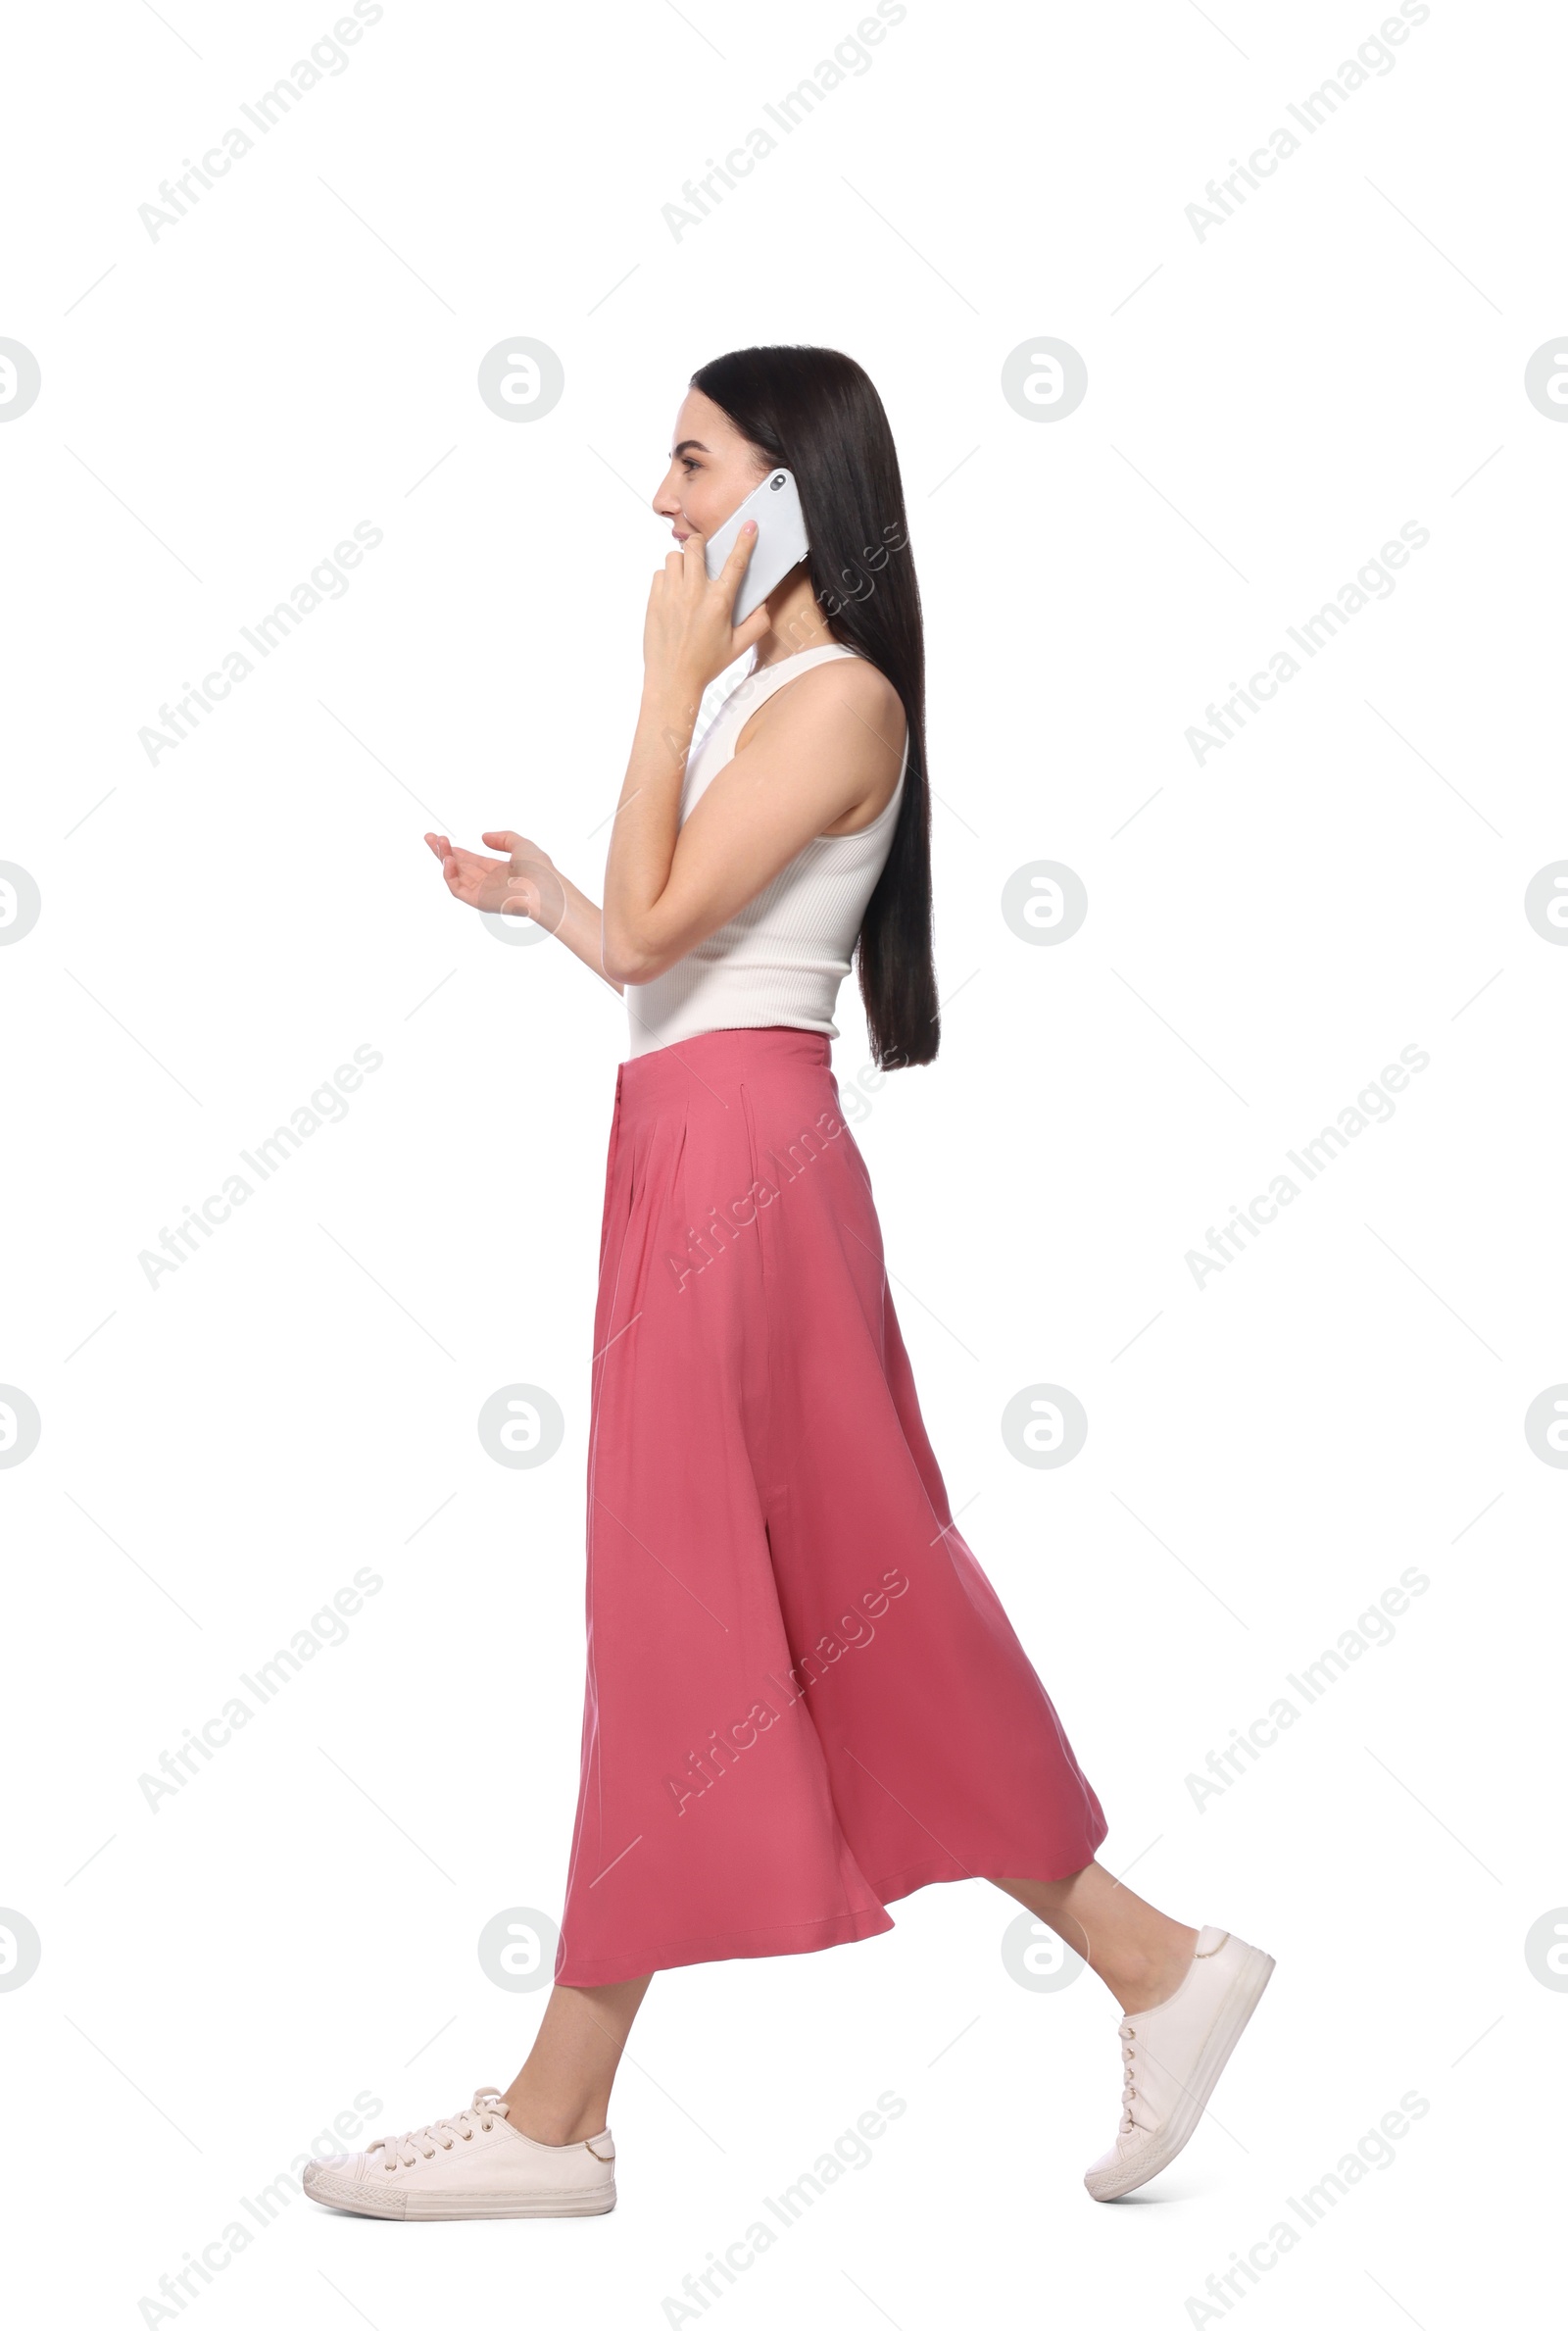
(803, 1697)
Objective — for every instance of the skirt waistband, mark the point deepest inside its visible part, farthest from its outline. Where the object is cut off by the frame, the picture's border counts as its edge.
(719, 1059)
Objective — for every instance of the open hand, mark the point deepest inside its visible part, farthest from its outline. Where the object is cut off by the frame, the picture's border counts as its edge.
(523, 883)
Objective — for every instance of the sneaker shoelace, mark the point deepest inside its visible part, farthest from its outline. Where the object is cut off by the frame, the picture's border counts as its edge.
(1131, 2120)
(413, 2143)
(1129, 2087)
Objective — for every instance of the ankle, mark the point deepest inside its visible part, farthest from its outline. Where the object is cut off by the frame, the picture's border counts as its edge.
(554, 2120)
(1147, 1978)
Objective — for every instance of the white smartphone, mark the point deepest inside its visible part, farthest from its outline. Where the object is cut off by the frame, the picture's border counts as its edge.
(780, 540)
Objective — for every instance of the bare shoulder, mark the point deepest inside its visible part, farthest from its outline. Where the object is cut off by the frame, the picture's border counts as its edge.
(843, 717)
(814, 703)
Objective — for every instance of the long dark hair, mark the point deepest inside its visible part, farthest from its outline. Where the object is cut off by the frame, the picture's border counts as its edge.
(815, 412)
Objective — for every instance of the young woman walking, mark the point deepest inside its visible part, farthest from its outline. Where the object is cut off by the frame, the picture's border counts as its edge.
(803, 1697)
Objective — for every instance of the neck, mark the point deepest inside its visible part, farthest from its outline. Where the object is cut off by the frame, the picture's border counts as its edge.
(795, 621)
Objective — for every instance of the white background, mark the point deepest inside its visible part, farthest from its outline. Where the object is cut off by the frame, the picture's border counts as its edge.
(219, 1456)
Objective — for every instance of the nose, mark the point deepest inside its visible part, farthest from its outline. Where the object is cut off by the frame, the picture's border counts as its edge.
(666, 502)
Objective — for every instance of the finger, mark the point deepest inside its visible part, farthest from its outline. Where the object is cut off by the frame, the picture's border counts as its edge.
(747, 634)
(503, 838)
(740, 556)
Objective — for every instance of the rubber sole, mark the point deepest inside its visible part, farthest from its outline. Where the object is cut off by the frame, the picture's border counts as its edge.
(356, 2199)
(1235, 2013)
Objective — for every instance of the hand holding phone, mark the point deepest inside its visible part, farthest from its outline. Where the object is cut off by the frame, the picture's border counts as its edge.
(780, 543)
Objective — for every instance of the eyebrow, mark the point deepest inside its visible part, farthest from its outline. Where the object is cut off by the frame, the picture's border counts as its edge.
(684, 443)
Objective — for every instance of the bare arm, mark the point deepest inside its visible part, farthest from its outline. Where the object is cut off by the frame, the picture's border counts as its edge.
(802, 768)
(823, 748)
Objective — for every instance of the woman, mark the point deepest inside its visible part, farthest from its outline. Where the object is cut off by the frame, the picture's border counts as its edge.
(804, 1697)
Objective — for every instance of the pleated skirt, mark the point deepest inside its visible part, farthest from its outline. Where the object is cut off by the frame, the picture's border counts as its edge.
(804, 1697)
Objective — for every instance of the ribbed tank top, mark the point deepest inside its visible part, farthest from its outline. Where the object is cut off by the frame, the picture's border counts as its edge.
(780, 962)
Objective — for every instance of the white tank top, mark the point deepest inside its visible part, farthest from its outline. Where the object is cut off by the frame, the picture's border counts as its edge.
(779, 963)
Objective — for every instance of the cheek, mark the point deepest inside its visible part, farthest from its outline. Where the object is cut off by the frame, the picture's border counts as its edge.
(706, 505)
(709, 500)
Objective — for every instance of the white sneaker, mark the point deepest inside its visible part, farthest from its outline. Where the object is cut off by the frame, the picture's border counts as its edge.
(471, 2165)
(1173, 2056)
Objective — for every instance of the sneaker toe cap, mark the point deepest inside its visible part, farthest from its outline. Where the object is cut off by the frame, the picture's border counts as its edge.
(1120, 2169)
(337, 2178)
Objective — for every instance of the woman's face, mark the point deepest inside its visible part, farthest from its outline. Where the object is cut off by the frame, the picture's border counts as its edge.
(711, 469)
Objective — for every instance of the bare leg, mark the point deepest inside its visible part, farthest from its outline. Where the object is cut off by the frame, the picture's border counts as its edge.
(561, 2094)
(1139, 1953)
